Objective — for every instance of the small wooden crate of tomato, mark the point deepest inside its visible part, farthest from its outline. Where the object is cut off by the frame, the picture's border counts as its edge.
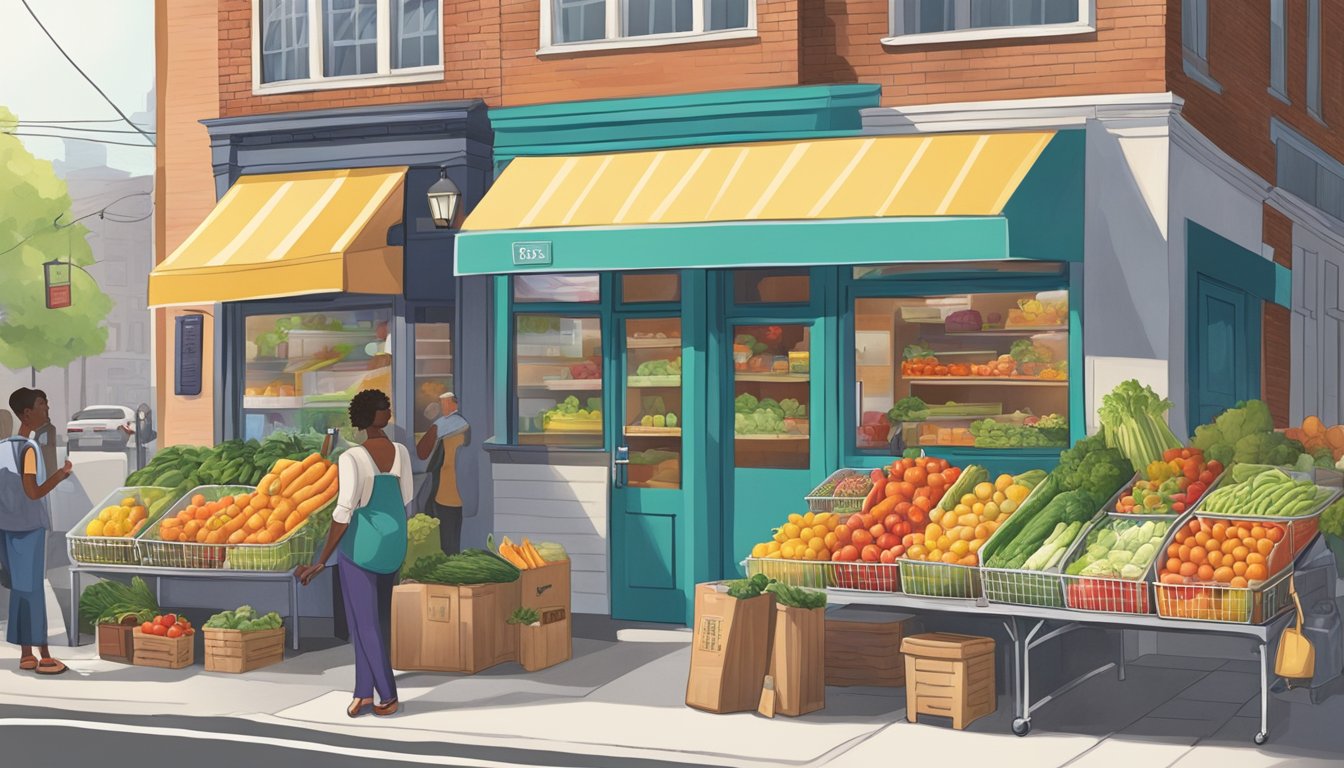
(166, 641)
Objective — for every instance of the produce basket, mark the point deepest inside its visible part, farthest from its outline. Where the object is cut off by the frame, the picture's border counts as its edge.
(867, 577)
(295, 548)
(116, 550)
(1255, 603)
(1018, 586)
(1110, 507)
(823, 498)
(1301, 529)
(1101, 594)
(795, 573)
(946, 580)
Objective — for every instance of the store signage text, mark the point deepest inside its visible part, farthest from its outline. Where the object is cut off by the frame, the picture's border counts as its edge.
(532, 253)
(58, 284)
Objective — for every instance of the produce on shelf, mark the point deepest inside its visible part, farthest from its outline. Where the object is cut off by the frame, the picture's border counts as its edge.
(1002, 366)
(1032, 543)
(168, 625)
(1245, 434)
(874, 430)
(569, 411)
(900, 502)
(965, 520)
(1120, 549)
(233, 462)
(764, 417)
(538, 324)
(916, 351)
(964, 320)
(589, 369)
(660, 367)
(797, 597)
(245, 619)
(1260, 491)
(1135, 421)
(1172, 485)
(1092, 466)
(1318, 440)
(108, 602)
(990, 433)
(1039, 312)
(811, 536)
(268, 341)
(130, 516)
(908, 409)
(668, 419)
(1027, 351)
(472, 566)
(422, 540)
(1232, 553)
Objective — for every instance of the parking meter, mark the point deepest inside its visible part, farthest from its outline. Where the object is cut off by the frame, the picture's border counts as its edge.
(144, 433)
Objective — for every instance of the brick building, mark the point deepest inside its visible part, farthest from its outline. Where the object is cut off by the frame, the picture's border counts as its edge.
(1170, 167)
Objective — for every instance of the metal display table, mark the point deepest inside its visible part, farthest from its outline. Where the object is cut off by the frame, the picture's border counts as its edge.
(1023, 623)
(285, 578)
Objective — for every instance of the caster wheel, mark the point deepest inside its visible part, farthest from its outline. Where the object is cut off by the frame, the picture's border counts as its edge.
(1023, 727)
(1261, 737)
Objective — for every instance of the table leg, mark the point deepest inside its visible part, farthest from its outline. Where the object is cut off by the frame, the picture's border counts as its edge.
(1263, 735)
(72, 629)
(1120, 662)
(294, 612)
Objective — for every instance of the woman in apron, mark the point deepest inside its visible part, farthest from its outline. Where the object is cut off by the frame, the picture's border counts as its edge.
(368, 536)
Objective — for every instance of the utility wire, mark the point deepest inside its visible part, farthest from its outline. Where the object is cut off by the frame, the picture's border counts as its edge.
(57, 226)
(81, 138)
(53, 127)
(101, 120)
(85, 76)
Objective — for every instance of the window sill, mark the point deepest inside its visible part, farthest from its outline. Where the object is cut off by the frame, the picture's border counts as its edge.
(399, 77)
(992, 33)
(1197, 71)
(646, 41)
(1280, 95)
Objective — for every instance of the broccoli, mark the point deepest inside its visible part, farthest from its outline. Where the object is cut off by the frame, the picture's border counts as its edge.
(1219, 440)
(1091, 466)
(745, 403)
(908, 409)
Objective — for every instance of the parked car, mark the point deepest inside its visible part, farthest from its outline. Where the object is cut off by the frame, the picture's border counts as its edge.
(101, 428)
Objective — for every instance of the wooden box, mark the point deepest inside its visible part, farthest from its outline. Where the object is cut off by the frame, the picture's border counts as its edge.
(949, 675)
(546, 587)
(166, 652)
(235, 651)
(445, 628)
(116, 641)
(730, 650)
(863, 647)
(546, 643)
(798, 660)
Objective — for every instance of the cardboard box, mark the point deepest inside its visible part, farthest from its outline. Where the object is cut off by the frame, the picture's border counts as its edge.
(730, 650)
(117, 641)
(160, 651)
(445, 628)
(546, 587)
(949, 675)
(546, 643)
(798, 660)
(863, 647)
(235, 651)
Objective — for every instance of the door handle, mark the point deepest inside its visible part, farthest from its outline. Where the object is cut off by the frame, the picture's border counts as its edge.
(619, 458)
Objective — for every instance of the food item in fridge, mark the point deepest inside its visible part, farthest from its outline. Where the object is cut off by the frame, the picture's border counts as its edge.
(964, 320)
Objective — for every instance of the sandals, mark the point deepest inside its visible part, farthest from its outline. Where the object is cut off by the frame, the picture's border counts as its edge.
(358, 706)
(28, 663)
(386, 708)
(46, 667)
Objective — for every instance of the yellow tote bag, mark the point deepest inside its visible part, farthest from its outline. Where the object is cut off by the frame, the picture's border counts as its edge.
(1296, 658)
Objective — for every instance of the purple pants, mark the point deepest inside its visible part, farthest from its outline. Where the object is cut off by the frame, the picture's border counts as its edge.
(368, 597)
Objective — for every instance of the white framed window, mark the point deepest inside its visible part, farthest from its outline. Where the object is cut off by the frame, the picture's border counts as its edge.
(1307, 171)
(1314, 58)
(1278, 50)
(568, 26)
(1195, 43)
(302, 45)
(922, 22)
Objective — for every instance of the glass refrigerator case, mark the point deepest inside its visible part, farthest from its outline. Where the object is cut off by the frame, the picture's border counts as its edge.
(772, 402)
(558, 375)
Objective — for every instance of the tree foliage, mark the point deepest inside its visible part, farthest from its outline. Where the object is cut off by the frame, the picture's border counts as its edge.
(31, 199)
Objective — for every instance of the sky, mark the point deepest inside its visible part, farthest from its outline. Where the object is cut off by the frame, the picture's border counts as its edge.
(111, 40)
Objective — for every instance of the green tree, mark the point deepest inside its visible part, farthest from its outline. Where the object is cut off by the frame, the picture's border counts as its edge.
(32, 199)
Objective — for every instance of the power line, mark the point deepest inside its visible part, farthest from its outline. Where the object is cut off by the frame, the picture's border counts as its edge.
(81, 138)
(101, 120)
(57, 226)
(53, 127)
(82, 74)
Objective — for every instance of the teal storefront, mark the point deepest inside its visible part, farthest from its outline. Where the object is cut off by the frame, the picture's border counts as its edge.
(705, 304)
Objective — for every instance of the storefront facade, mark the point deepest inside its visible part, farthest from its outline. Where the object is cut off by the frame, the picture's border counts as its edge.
(745, 303)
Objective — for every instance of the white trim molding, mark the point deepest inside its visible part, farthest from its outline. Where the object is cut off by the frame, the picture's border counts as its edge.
(1138, 109)
(1086, 24)
(615, 41)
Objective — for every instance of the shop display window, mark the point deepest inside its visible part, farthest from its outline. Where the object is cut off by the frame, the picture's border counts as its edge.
(918, 269)
(653, 405)
(558, 376)
(564, 288)
(433, 371)
(650, 287)
(771, 403)
(301, 370)
(771, 286)
(974, 370)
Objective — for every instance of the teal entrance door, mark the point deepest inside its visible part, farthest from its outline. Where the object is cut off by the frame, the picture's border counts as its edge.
(648, 510)
(1225, 348)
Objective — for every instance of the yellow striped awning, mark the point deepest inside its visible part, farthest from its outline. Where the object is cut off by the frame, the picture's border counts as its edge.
(846, 178)
(289, 234)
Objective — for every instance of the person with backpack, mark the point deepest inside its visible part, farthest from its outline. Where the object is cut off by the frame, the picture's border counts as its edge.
(446, 436)
(368, 536)
(24, 520)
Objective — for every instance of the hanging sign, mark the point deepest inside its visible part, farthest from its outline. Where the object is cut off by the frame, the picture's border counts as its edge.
(58, 284)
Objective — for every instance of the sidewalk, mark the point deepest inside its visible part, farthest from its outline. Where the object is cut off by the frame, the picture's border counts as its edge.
(621, 697)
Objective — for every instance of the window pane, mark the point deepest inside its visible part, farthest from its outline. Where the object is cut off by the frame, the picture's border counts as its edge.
(772, 404)
(558, 373)
(989, 370)
(579, 288)
(726, 14)
(921, 16)
(284, 40)
(771, 286)
(653, 409)
(351, 37)
(1277, 48)
(433, 372)
(300, 371)
(1296, 172)
(580, 20)
(644, 287)
(656, 17)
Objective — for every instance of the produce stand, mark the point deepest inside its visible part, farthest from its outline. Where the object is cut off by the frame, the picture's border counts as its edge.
(285, 579)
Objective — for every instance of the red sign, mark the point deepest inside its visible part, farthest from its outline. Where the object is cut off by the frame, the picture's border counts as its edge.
(58, 296)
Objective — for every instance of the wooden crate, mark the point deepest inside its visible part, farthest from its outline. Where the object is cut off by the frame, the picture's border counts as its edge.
(166, 652)
(863, 647)
(235, 651)
(949, 675)
(546, 587)
(446, 628)
(116, 641)
(546, 643)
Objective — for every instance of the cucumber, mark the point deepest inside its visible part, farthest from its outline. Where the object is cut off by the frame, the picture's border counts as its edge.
(966, 482)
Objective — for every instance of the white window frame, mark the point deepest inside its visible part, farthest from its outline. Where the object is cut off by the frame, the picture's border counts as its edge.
(614, 41)
(316, 81)
(1278, 50)
(1086, 23)
(1195, 61)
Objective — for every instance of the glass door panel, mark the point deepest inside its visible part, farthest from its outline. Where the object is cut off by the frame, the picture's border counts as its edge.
(771, 377)
(653, 402)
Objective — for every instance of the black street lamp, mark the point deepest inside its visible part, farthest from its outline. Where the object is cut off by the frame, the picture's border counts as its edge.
(444, 199)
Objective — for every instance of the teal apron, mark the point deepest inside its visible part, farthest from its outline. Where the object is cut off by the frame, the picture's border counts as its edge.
(376, 538)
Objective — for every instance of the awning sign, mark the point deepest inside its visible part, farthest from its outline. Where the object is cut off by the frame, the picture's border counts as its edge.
(533, 253)
(58, 284)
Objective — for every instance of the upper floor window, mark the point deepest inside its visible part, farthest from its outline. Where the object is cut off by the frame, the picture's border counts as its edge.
(311, 44)
(1314, 58)
(1307, 171)
(1195, 42)
(567, 25)
(918, 22)
(1278, 50)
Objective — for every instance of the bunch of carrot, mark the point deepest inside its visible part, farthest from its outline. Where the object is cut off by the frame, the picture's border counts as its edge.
(524, 556)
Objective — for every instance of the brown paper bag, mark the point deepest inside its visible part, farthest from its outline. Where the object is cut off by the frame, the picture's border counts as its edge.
(798, 660)
(729, 651)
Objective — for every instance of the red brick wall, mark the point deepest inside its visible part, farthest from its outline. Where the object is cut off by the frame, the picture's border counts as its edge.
(842, 43)
(768, 60)
(470, 52)
(1276, 356)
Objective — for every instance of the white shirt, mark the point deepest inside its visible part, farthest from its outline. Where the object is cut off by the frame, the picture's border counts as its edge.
(355, 473)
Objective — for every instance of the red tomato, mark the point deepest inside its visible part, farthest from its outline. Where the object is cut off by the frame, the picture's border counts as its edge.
(159, 630)
(877, 529)
(892, 522)
(902, 508)
(918, 516)
(1206, 477)
(147, 628)
(1215, 466)
(169, 620)
(842, 533)
(849, 553)
(907, 489)
(855, 522)
(923, 503)
(951, 474)
(916, 475)
(871, 554)
(1185, 453)
(888, 540)
(1178, 506)
(861, 538)
(174, 631)
(898, 550)
(1171, 454)
(887, 556)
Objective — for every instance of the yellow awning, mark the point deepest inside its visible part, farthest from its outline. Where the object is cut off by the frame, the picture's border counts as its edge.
(849, 178)
(288, 234)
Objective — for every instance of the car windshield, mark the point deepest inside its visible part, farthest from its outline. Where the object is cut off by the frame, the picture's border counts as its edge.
(100, 413)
